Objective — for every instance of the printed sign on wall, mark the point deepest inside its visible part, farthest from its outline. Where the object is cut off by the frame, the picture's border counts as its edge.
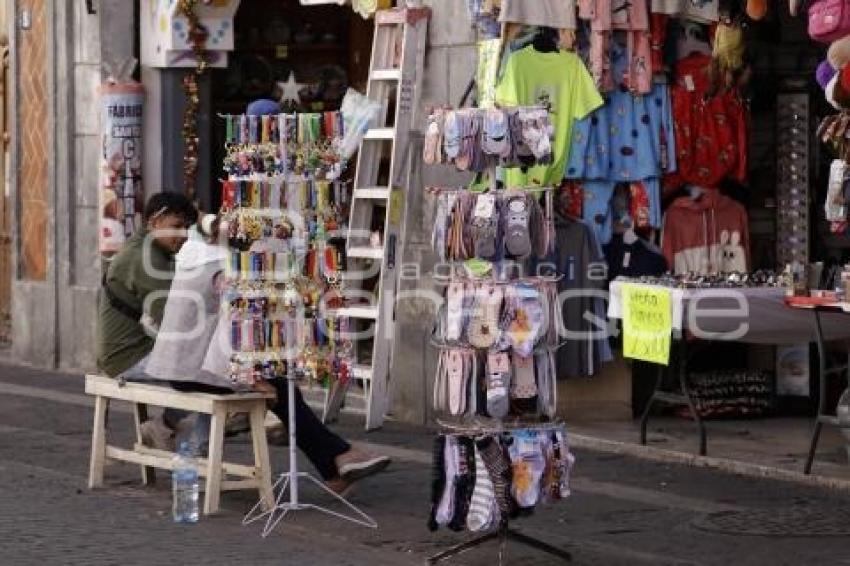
(121, 194)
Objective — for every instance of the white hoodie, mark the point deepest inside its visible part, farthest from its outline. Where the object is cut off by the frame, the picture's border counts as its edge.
(190, 319)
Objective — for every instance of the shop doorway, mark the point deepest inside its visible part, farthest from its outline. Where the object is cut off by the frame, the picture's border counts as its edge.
(325, 49)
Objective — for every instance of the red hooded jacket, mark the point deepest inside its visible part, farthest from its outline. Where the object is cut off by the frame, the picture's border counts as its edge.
(711, 133)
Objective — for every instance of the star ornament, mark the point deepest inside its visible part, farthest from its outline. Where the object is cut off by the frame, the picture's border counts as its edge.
(290, 90)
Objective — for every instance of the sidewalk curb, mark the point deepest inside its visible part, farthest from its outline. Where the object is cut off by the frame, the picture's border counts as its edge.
(736, 467)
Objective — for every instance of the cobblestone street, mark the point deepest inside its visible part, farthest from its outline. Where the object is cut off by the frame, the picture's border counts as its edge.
(624, 511)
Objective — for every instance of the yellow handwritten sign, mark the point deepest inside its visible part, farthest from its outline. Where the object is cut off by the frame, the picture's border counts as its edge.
(647, 324)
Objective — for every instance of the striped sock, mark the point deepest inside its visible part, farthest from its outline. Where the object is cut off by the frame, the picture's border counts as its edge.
(499, 468)
(483, 498)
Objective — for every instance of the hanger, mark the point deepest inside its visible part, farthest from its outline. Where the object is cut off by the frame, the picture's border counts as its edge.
(693, 40)
(546, 40)
(694, 191)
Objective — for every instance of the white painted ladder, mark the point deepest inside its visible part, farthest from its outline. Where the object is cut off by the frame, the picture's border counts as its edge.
(377, 205)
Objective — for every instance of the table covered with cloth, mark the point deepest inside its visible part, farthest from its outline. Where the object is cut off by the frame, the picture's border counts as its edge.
(753, 315)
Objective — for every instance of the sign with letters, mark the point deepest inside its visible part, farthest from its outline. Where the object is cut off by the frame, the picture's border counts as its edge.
(647, 323)
(121, 195)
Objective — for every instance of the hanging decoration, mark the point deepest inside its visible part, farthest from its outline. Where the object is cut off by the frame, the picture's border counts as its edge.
(198, 37)
(290, 91)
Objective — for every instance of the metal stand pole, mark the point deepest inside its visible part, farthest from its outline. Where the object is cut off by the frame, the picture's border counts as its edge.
(682, 398)
(644, 419)
(822, 372)
(290, 480)
(686, 392)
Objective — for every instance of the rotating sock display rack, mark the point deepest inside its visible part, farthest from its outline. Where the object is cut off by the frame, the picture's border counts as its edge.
(501, 452)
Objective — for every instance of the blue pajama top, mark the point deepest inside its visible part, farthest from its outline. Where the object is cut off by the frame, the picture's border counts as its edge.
(622, 140)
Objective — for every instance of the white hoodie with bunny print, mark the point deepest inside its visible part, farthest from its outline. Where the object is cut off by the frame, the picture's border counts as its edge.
(706, 234)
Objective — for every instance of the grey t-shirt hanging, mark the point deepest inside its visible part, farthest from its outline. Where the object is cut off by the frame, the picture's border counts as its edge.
(560, 14)
(583, 273)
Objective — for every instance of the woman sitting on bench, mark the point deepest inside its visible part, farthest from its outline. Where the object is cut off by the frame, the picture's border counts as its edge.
(133, 307)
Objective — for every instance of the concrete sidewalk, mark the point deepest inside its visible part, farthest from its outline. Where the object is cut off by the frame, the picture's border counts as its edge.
(624, 510)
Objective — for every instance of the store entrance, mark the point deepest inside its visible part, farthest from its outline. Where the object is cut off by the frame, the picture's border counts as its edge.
(280, 44)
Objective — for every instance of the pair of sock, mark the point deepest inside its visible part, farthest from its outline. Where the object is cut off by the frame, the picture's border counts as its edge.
(483, 511)
(445, 508)
(453, 482)
(529, 465)
(498, 467)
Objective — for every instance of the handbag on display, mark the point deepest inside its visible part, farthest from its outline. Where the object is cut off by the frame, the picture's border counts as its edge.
(829, 20)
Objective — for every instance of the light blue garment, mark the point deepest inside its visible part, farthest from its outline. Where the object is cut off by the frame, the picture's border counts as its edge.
(623, 140)
(653, 189)
(597, 211)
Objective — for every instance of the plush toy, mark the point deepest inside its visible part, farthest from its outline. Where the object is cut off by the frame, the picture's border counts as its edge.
(729, 47)
(837, 94)
(838, 54)
(824, 73)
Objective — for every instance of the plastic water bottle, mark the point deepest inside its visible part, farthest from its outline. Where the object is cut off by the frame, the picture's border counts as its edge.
(184, 485)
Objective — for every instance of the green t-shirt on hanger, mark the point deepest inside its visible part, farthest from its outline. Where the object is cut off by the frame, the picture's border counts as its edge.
(560, 82)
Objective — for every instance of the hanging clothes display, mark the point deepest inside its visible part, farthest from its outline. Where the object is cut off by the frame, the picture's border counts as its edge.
(707, 234)
(560, 82)
(630, 139)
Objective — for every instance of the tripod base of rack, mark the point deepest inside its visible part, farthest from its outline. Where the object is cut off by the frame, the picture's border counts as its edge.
(503, 536)
(281, 508)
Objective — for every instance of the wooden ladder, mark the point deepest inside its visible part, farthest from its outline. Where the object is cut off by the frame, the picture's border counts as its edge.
(377, 205)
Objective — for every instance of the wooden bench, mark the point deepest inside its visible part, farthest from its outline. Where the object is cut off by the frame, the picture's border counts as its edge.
(215, 471)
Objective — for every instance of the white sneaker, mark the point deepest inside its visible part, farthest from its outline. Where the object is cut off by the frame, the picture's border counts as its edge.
(155, 434)
(355, 465)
